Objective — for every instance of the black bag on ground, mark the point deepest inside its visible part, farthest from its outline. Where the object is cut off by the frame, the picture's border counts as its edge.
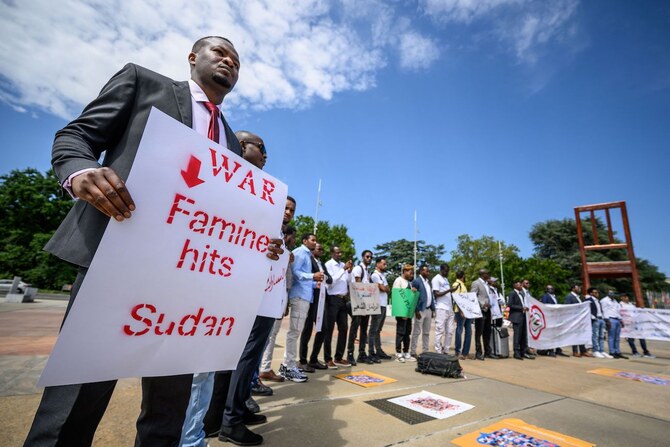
(443, 365)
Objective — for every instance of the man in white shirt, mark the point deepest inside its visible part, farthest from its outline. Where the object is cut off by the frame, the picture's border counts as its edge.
(360, 274)
(378, 277)
(444, 310)
(612, 315)
(597, 324)
(336, 303)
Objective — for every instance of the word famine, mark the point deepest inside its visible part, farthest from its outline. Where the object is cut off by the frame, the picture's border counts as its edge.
(148, 321)
(217, 227)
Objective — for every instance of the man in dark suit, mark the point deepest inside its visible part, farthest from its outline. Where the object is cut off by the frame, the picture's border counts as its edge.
(424, 313)
(517, 315)
(483, 324)
(574, 298)
(550, 298)
(113, 123)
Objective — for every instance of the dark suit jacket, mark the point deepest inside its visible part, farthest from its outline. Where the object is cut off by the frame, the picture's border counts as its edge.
(417, 283)
(113, 123)
(546, 299)
(515, 307)
(570, 299)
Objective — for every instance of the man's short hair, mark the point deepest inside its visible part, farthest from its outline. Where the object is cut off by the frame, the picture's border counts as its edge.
(288, 230)
(333, 247)
(424, 266)
(291, 199)
(460, 274)
(197, 46)
(444, 266)
(380, 259)
(306, 236)
(366, 252)
(407, 267)
(591, 290)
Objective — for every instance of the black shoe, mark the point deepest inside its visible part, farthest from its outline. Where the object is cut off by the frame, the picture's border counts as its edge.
(240, 435)
(254, 419)
(621, 356)
(551, 354)
(492, 356)
(375, 359)
(212, 433)
(518, 357)
(261, 389)
(317, 365)
(362, 358)
(252, 405)
(351, 359)
(384, 356)
(528, 356)
(479, 357)
(562, 354)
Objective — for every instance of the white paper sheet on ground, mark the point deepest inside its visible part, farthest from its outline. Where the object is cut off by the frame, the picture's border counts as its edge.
(431, 404)
(176, 288)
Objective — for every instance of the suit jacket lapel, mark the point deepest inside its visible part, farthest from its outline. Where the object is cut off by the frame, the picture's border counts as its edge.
(183, 96)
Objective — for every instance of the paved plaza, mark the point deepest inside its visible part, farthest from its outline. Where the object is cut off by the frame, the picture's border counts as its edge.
(557, 394)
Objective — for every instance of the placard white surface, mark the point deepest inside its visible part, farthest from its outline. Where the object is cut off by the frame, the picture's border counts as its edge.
(431, 404)
(274, 300)
(321, 307)
(176, 288)
(554, 325)
(468, 304)
(364, 298)
(653, 324)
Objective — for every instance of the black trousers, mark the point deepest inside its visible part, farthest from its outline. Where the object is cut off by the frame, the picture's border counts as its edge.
(483, 330)
(520, 337)
(403, 329)
(374, 336)
(359, 323)
(306, 333)
(336, 308)
(69, 415)
(232, 388)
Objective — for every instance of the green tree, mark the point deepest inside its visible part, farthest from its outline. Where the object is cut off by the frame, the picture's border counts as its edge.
(471, 254)
(556, 240)
(402, 252)
(540, 273)
(326, 234)
(31, 208)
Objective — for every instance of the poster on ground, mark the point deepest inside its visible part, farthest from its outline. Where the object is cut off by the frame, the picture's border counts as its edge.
(516, 432)
(431, 404)
(654, 379)
(403, 302)
(365, 379)
(176, 288)
(364, 298)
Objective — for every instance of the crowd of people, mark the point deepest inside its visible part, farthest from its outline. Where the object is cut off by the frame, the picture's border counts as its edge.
(186, 409)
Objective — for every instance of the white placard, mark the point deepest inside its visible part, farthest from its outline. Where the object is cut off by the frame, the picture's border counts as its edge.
(364, 298)
(321, 307)
(274, 300)
(468, 304)
(554, 325)
(176, 288)
(431, 404)
(653, 324)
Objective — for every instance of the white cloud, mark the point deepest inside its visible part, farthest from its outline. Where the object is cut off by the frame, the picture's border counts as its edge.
(56, 56)
(416, 51)
(526, 27)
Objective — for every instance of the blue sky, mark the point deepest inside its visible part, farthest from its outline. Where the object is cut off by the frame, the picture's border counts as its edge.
(483, 116)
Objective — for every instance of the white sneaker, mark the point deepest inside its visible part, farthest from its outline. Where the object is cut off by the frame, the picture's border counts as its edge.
(637, 354)
(649, 356)
(399, 357)
(408, 357)
(607, 356)
(598, 355)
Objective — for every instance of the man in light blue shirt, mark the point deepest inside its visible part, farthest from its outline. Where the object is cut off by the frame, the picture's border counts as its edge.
(299, 298)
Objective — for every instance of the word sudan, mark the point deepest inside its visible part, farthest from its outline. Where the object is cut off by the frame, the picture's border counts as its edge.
(150, 322)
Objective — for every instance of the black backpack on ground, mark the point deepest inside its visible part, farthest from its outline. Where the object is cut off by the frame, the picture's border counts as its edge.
(443, 365)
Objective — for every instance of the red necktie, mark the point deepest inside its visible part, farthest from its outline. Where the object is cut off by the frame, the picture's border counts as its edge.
(213, 130)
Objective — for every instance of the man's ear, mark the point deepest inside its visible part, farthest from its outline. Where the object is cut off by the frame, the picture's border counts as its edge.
(191, 58)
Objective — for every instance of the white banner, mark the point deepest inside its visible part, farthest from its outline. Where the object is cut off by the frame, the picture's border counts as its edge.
(554, 325)
(321, 307)
(176, 288)
(653, 324)
(364, 298)
(468, 304)
(274, 300)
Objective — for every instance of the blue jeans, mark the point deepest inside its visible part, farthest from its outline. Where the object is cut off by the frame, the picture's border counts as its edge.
(460, 323)
(598, 335)
(613, 336)
(193, 433)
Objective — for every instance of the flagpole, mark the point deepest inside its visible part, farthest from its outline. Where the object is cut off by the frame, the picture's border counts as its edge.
(318, 204)
(415, 231)
(502, 274)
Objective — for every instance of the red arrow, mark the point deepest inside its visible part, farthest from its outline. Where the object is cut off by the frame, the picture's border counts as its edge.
(191, 173)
